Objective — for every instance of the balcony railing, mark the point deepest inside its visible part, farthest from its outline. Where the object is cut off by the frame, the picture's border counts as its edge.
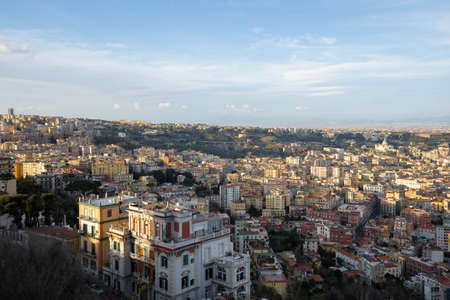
(192, 240)
(146, 259)
(88, 233)
(88, 253)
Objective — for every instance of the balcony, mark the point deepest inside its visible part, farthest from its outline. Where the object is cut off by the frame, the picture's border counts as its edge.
(88, 233)
(174, 244)
(145, 259)
(87, 218)
(88, 253)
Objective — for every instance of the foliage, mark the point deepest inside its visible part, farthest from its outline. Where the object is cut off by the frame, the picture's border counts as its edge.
(83, 186)
(169, 176)
(53, 209)
(40, 271)
(282, 240)
(338, 286)
(326, 258)
(253, 211)
(262, 291)
(26, 186)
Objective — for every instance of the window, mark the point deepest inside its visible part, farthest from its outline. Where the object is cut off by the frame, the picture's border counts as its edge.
(138, 248)
(85, 230)
(240, 275)
(221, 274)
(146, 252)
(118, 246)
(93, 249)
(109, 213)
(92, 230)
(133, 266)
(116, 265)
(132, 248)
(85, 212)
(85, 246)
(184, 282)
(163, 283)
(192, 260)
(208, 273)
(192, 282)
(114, 245)
(185, 259)
(93, 214)
(93, 265)
(164, 262)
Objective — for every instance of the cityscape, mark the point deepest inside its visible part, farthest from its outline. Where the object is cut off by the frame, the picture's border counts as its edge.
(264, 213)
(225, 150)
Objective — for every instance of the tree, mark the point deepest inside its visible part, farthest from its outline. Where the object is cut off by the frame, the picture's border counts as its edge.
(262, 291)
(253, 211)
(27, 186)
(40, 271)
(83, 186)
(33, 205)
(14, 206)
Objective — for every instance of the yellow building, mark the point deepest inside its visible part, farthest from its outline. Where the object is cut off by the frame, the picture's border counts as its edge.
(96, 216)
(232, 177)
(109, 169)
(237, 208)
(277, 200)
(22, 170)
(277, 281)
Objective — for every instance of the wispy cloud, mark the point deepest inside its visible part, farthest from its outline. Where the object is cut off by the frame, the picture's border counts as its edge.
(289, 42)
(116, 106)
(329, 93)
(62, 70)
(257, 30)
(244, 108)
(5, 49)
(164, 105)
(116, 45)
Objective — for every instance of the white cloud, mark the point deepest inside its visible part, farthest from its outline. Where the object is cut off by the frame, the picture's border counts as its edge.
(301, 42)
(67, 71)
(116, 106)
(116, 45)
(257, 30)
(5, 49)
(329, 93)
(244, 108)
(164, 105)
(301, 108)
(328, 40)
(184, 107)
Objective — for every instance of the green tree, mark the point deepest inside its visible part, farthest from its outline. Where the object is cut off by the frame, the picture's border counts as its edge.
(83, 186)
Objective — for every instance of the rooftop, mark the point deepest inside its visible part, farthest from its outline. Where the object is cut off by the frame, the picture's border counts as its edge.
(58, 232)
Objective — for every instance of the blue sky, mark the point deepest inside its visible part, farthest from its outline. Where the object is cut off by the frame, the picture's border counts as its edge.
(266, 62)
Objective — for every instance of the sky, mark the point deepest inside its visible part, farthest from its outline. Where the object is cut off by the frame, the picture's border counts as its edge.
(229, 62)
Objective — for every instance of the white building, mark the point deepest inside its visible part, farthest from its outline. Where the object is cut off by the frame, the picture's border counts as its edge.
(174, 255)
(228, 193)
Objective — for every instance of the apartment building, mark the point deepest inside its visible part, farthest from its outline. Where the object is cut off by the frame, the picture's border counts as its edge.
(170, 253)
(113, 170)
(228, 193)
(96, 216)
